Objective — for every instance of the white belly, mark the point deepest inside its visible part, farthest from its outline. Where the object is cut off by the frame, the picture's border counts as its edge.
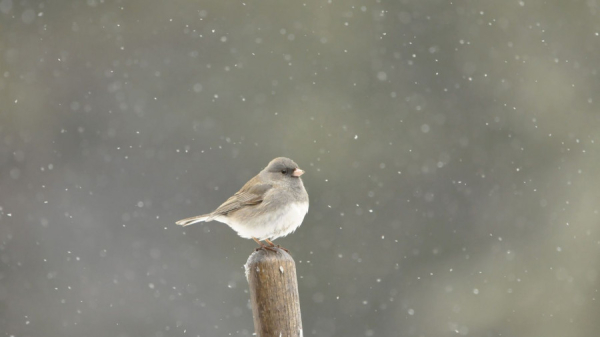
(270, 225)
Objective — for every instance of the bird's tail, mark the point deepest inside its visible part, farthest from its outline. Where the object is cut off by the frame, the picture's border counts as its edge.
(194, 219)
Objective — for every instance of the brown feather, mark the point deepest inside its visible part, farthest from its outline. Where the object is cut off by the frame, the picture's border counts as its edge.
(251, 193)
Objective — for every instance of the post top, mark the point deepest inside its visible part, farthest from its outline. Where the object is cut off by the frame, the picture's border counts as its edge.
(264, 256)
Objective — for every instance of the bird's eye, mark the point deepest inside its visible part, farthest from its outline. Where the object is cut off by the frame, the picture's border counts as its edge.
(284, 171)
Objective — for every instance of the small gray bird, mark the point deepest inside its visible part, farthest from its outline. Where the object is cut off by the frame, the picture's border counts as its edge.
(270, 205)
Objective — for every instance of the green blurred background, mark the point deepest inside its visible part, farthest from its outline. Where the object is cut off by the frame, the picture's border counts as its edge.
(451, 151)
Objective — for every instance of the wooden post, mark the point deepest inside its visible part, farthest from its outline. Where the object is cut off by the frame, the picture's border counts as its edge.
(274, 294)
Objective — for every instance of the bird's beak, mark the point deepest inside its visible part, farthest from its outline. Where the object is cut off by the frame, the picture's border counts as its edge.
(298, 172)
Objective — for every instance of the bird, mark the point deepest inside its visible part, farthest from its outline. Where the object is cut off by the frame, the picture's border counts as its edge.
(270, 205)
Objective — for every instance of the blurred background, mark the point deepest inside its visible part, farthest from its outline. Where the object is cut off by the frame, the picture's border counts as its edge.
(450, 148)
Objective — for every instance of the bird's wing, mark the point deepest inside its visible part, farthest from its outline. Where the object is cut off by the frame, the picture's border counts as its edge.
(250, 194)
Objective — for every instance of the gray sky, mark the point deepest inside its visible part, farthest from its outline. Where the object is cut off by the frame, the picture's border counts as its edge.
(450, 149)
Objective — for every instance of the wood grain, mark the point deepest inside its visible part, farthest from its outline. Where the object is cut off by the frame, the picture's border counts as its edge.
(274, 294)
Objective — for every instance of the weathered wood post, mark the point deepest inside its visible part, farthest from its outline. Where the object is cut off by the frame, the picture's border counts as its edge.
(274, 294)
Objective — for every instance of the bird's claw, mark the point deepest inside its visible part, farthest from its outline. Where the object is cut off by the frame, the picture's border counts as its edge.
(265, 248)
(272, 247)
(287, 251)
(278, 246)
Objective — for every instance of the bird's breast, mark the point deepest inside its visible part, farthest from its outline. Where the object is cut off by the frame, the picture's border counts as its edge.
(270, 224)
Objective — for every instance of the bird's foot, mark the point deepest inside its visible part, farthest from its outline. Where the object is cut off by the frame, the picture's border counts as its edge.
(265, 248)
(278, 246)
(271, 246)
(287, 251)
